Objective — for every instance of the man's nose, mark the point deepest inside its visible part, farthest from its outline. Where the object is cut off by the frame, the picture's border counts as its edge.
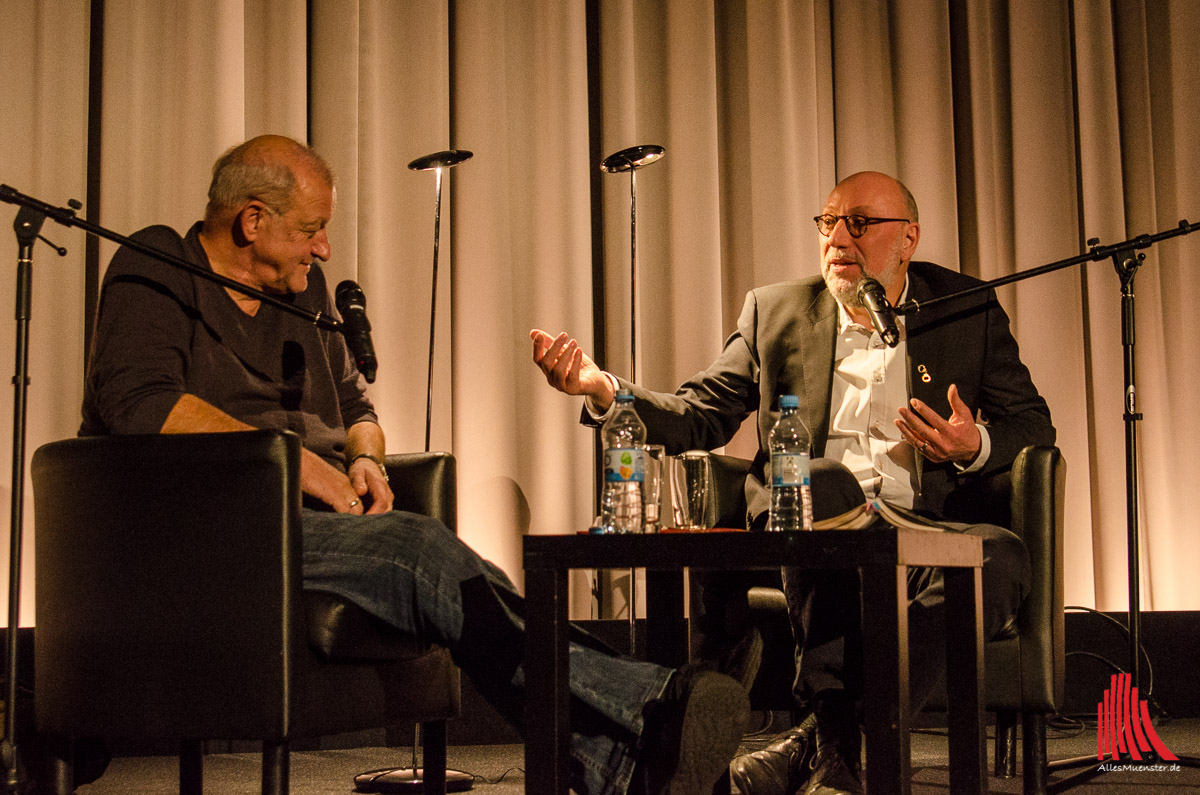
(840, 235)
(321, 249)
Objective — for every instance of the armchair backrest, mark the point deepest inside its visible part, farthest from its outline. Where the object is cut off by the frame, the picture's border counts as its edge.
(1028, 499)
(729, 490)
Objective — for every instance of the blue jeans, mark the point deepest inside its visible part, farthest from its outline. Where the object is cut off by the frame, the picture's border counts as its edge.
(415, 574)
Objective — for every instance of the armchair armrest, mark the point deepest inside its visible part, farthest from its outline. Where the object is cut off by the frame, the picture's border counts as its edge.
(425, 483)
(422, 483)
(1039, 485)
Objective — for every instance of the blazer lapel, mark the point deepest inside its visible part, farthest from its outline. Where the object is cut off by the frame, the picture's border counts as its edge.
(934, 350)
(817, 349)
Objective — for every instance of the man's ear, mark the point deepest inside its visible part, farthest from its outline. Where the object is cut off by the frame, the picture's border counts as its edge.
(249, 220)
(911, 236)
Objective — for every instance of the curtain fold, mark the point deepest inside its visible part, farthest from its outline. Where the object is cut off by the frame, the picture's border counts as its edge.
(1023, 129)
(44, 96)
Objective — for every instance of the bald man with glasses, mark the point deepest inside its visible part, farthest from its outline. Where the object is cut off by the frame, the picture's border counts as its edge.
(951, 402)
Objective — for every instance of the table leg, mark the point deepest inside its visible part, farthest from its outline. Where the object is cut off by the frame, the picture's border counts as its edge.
(666, 630)
(547, 690)
(885, 672)
(964, 679)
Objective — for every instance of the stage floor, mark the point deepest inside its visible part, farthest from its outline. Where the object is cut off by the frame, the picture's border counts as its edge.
(497, 768)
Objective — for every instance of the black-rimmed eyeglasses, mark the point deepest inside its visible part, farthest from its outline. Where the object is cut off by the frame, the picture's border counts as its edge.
(856, 225)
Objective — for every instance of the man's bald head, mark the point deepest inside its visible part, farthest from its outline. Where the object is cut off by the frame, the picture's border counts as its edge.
(882, 186)
(265, 168)
(886, 238)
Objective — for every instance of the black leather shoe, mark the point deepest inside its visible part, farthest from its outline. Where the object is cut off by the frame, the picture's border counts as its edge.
(833, 774)
(782, 767)
(691, 733)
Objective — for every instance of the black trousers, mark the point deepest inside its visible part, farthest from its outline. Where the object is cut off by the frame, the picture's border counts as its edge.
(824, 607)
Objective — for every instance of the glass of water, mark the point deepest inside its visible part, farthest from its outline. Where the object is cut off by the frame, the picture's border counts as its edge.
(691, 489)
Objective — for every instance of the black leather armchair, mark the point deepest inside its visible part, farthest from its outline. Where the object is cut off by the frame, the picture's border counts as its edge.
(1024, 669)
(169, 605)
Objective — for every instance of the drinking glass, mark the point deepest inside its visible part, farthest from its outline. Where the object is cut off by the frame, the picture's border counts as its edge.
(691, 489)
(652, 486)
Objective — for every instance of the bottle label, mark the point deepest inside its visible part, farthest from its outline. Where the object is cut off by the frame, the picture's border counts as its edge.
(790, 469)
(624, 465)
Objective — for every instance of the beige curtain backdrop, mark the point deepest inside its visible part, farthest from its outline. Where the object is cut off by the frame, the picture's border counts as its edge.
(1023, 128)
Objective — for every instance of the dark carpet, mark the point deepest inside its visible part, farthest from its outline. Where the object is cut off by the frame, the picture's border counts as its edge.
(498, 768)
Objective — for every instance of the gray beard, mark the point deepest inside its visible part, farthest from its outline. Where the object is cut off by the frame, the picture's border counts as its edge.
(846, 295)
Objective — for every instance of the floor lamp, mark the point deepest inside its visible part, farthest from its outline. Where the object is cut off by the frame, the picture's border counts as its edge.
(436, 162)
(631, 159)
(411, 779)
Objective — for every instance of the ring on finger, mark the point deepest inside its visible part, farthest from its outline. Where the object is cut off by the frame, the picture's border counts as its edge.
(353, 503)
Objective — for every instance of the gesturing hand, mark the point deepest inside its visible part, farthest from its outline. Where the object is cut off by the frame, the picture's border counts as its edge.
(939, 440)
(568, 369)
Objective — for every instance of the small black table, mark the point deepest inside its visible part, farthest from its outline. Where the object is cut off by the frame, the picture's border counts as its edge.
(881, 555)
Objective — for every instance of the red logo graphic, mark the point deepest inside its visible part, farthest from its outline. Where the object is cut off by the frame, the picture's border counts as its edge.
(1124, 723)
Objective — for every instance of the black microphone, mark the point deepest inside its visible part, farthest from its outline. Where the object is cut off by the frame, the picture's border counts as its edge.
(883, 316)
(352, 305)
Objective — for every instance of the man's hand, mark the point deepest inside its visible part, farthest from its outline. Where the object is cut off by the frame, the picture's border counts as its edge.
(329, 484)
(569, 369)
(365, 475)
(367, 479)
(940, 440)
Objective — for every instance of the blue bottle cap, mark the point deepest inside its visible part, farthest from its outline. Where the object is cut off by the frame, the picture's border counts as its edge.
(626, 395)
(789, 402)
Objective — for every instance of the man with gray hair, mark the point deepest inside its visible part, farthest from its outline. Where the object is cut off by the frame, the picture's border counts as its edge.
(176, 353)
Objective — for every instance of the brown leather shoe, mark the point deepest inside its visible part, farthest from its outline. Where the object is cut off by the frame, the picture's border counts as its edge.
(782, 767)
(833, 774)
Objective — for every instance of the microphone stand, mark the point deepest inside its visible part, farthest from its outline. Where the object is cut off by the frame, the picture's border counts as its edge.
(28, 224)
(1126, 260)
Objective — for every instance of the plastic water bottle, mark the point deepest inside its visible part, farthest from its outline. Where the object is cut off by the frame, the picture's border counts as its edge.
(791, 473)
(623, 437)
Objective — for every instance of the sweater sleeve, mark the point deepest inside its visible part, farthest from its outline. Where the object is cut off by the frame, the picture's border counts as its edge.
(140, 350)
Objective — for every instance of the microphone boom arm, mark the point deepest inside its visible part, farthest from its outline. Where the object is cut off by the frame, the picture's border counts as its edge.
(67, 217)
(1096, 252)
